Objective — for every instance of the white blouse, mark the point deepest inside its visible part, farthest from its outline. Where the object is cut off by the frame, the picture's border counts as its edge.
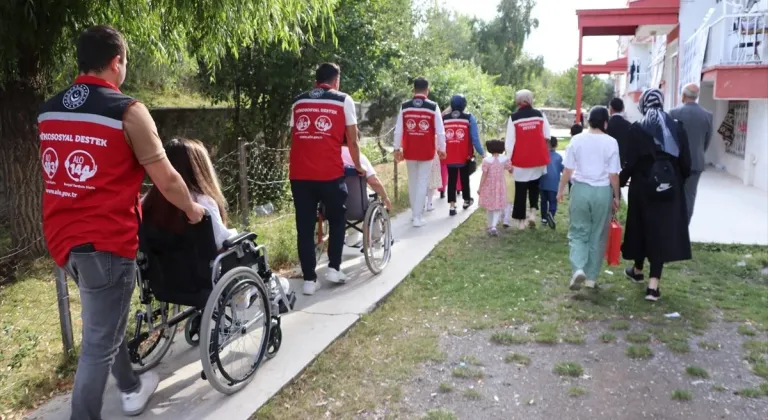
(220, 231)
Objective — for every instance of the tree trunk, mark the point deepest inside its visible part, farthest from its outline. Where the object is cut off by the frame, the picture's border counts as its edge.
(20, 169)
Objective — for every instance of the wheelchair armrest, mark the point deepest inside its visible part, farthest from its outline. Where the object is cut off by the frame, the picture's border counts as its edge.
(239, 238)
(373, 196)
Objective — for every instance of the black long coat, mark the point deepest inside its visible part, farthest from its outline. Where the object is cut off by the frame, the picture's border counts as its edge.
(656, 230)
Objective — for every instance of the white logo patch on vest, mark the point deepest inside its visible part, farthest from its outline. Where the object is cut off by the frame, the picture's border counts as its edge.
(316, 93)
(80, 166)
(456, 114)
(460, 134)
(50, 162)
(323, 123)
(303, 123)
(449, 134)
(75, 97)
(410, 125)
(418, 103)
(423, 125)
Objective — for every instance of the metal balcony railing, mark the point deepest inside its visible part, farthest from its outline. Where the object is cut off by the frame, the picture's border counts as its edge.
(738, 39)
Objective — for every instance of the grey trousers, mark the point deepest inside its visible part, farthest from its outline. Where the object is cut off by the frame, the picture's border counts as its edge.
(691, 186)
(106, 282)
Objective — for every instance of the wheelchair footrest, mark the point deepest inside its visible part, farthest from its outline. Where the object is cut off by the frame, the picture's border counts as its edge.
(291, 300)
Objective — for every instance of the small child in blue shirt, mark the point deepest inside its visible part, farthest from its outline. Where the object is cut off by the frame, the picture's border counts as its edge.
(549, 183)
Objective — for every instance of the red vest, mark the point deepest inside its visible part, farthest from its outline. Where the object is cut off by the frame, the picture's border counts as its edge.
(531, 147)
(419, 128)
(92, 179)
(319, 127)
(458, 144)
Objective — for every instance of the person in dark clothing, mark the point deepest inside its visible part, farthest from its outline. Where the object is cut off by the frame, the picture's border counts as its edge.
(618, 126)
(657, 225)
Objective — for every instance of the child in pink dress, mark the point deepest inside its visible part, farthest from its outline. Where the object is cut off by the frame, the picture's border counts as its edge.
(493, 186)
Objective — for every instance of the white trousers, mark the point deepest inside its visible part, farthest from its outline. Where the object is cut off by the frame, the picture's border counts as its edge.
(418, 181)
(493, 218)
(508, 214)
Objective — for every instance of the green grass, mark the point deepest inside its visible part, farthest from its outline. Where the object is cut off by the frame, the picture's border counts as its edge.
(445, 388)
(574, 337)
(544, 333)
(760, 369)
(439, 415)
(467, 373)
(608, 338)
(697, 372)
(562, 143)
(622, 325)
(577, 391)
(719, 388)
(639, 351)
(764, 388)
(571, 369)
(518, 359)
(747, 330)
(472, 394)
(471, 360)
(637, 337)
(681, 395)
(508, 339)
(709, 345)
(756, 346)
(749, 393)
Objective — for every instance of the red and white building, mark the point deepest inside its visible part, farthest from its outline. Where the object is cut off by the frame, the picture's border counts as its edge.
(720, 44)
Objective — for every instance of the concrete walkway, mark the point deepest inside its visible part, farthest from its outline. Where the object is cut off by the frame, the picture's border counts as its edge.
(318, 321)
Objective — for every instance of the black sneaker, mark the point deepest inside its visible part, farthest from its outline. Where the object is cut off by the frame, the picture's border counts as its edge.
(452, 212)
(636, 278)
(468, 203)
(442, 194)
(551, 220)
(652, 295)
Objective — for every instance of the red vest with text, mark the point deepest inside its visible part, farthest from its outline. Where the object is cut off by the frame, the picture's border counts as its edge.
(531, 147)
(91, 177)
(419, 128)
(319, 128)
(458, 143)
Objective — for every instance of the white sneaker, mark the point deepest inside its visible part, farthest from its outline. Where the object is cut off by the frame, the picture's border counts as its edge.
(134, 403)
(577, 280)
(430, 207)
(335, 276)
(590, 284)
(418, 222)
(310, 287)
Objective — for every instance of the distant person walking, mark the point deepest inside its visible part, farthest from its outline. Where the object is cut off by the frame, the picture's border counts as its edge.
(698, 127)
(658, 162)
(618, 125)
(462, 139)
(419, 133)
(592, 162)
(321, 119)
(527, 144)
(91, 210)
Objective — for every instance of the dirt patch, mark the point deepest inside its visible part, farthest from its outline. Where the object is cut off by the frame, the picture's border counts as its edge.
(612, 386)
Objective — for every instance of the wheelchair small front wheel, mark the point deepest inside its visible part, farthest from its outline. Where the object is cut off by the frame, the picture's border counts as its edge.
(275, 340)
(235, 330)
(192, 329)
(377, 238)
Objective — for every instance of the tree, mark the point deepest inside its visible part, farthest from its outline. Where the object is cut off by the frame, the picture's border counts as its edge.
(595, 90)
(36, 45)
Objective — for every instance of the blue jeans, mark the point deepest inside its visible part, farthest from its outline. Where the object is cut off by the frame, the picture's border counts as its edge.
(548, 203)
(306, 197)
(106, 282)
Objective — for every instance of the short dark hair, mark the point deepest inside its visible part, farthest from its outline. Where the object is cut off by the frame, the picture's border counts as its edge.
(553, 142)
(494, 146)
(420, 83)
(617, 104)
(97, 46)
(598, 116)
(327, 72)
(576, 129)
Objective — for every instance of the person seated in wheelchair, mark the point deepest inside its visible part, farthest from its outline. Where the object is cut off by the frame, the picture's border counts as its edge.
(191, 159)
(354, 239)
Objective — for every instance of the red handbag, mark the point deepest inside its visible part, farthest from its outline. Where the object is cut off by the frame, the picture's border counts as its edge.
(613, 248)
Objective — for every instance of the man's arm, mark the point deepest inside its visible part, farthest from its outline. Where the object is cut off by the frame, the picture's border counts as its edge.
(509, 142)
(375, 183)
(350, 117)
(141, 135)
(710, 132)
(398, 139)
(474, 133)
(439, 130)
(547, 128)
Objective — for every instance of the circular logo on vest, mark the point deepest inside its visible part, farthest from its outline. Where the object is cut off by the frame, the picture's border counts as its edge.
(449, 134)
(460, 134)
(316, 93)
(75, 97)
(423, 125)
(303, 123)
(456, 114)
(50, 162)
(80, 166)
(418, 103)
(323, 123)
(410, 125)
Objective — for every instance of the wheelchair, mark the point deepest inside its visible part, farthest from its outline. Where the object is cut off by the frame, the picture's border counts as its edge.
(231, 300)
(365, 214)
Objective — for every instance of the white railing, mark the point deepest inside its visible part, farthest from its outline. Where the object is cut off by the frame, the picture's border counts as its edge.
(738, 39)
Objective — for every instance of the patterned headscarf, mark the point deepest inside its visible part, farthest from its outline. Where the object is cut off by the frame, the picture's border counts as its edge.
(657, 123)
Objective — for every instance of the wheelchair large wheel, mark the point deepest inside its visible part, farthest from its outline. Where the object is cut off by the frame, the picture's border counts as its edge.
(234, 332)
(152, 344)
(377, 237)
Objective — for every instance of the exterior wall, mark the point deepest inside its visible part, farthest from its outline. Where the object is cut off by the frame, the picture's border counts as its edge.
(639, 53)
(692, 15)
(756, 152)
